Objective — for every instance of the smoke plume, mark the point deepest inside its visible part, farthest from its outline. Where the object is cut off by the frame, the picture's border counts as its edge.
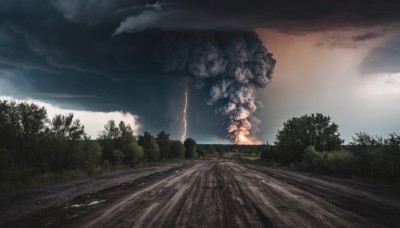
(236, 63)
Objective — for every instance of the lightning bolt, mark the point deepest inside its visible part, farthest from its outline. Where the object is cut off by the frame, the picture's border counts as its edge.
(184, 115)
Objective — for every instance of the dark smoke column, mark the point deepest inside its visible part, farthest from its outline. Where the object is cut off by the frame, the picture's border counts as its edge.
(236, 62)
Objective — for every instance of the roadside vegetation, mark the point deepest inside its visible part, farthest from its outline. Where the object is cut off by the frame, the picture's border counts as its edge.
(35, 150)
(312, 143)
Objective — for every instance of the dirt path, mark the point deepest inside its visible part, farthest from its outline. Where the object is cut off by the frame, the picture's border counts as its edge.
(223, 193)
(14, 206)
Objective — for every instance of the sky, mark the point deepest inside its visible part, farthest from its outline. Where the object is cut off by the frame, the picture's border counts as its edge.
(244, 62)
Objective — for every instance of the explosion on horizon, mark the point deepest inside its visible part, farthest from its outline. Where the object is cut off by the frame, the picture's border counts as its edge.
(236, 64)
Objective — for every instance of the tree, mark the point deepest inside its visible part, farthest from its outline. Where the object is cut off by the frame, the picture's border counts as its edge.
(108, 140)
(32, 118)
(364, 139)
(130, 147)
(91, 156)
(150, 147)
(111, 131)
(128, 144)
(118, 157)
(177, 149)
(200, 152)
(393, 140)
(21, 128)
(120, 137)
(309, 130)
(66, 128)
(5, 158)
(190, 148)
(124, 129)
(164, 143)
(8, 125)
(66, 133)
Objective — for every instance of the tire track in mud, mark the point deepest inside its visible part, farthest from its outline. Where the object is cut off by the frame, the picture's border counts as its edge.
(286, 205)
(55, 208)
(223, 193)
(143, 207)
(14, 206)
(226, 193)
(354, 202)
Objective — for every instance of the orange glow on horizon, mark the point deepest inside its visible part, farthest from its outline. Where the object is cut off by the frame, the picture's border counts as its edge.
(243, 139)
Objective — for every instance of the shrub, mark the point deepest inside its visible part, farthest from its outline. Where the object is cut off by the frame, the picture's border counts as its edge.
(338, 162)
(118, 157)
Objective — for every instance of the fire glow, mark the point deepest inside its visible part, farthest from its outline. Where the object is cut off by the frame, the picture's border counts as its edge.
(243, 139)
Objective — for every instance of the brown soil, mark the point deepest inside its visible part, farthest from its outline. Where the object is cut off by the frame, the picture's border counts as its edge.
(212, 193)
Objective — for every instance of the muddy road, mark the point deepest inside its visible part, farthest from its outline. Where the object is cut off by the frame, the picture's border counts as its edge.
(212, 193)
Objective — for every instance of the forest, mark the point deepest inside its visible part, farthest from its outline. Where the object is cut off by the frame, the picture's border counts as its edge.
(35, 149)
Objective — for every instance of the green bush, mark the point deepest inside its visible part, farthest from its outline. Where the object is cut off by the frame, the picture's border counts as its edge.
(5, 157)
(338, 162)
(371, 162)
(118, 157)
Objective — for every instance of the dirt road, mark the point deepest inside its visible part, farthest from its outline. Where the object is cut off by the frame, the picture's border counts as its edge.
(212, 193)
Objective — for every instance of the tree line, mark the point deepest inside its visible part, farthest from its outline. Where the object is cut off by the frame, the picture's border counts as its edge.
(32, 144)
(313, 143)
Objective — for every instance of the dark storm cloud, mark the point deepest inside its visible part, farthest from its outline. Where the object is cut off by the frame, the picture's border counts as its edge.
(291, 16)
(45, 56)
(367, 36)
(285, 15)
(383, 59)
(98, 54)
(336, 41)
(346, 41)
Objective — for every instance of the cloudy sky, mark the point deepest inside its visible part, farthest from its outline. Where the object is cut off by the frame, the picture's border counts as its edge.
(111, 59)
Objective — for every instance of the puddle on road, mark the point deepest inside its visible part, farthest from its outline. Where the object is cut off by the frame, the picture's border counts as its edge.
(85, 205)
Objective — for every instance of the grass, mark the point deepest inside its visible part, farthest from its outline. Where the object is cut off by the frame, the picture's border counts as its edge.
(332, 164)
(16, 181)
(23, 179)
(393, 187)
